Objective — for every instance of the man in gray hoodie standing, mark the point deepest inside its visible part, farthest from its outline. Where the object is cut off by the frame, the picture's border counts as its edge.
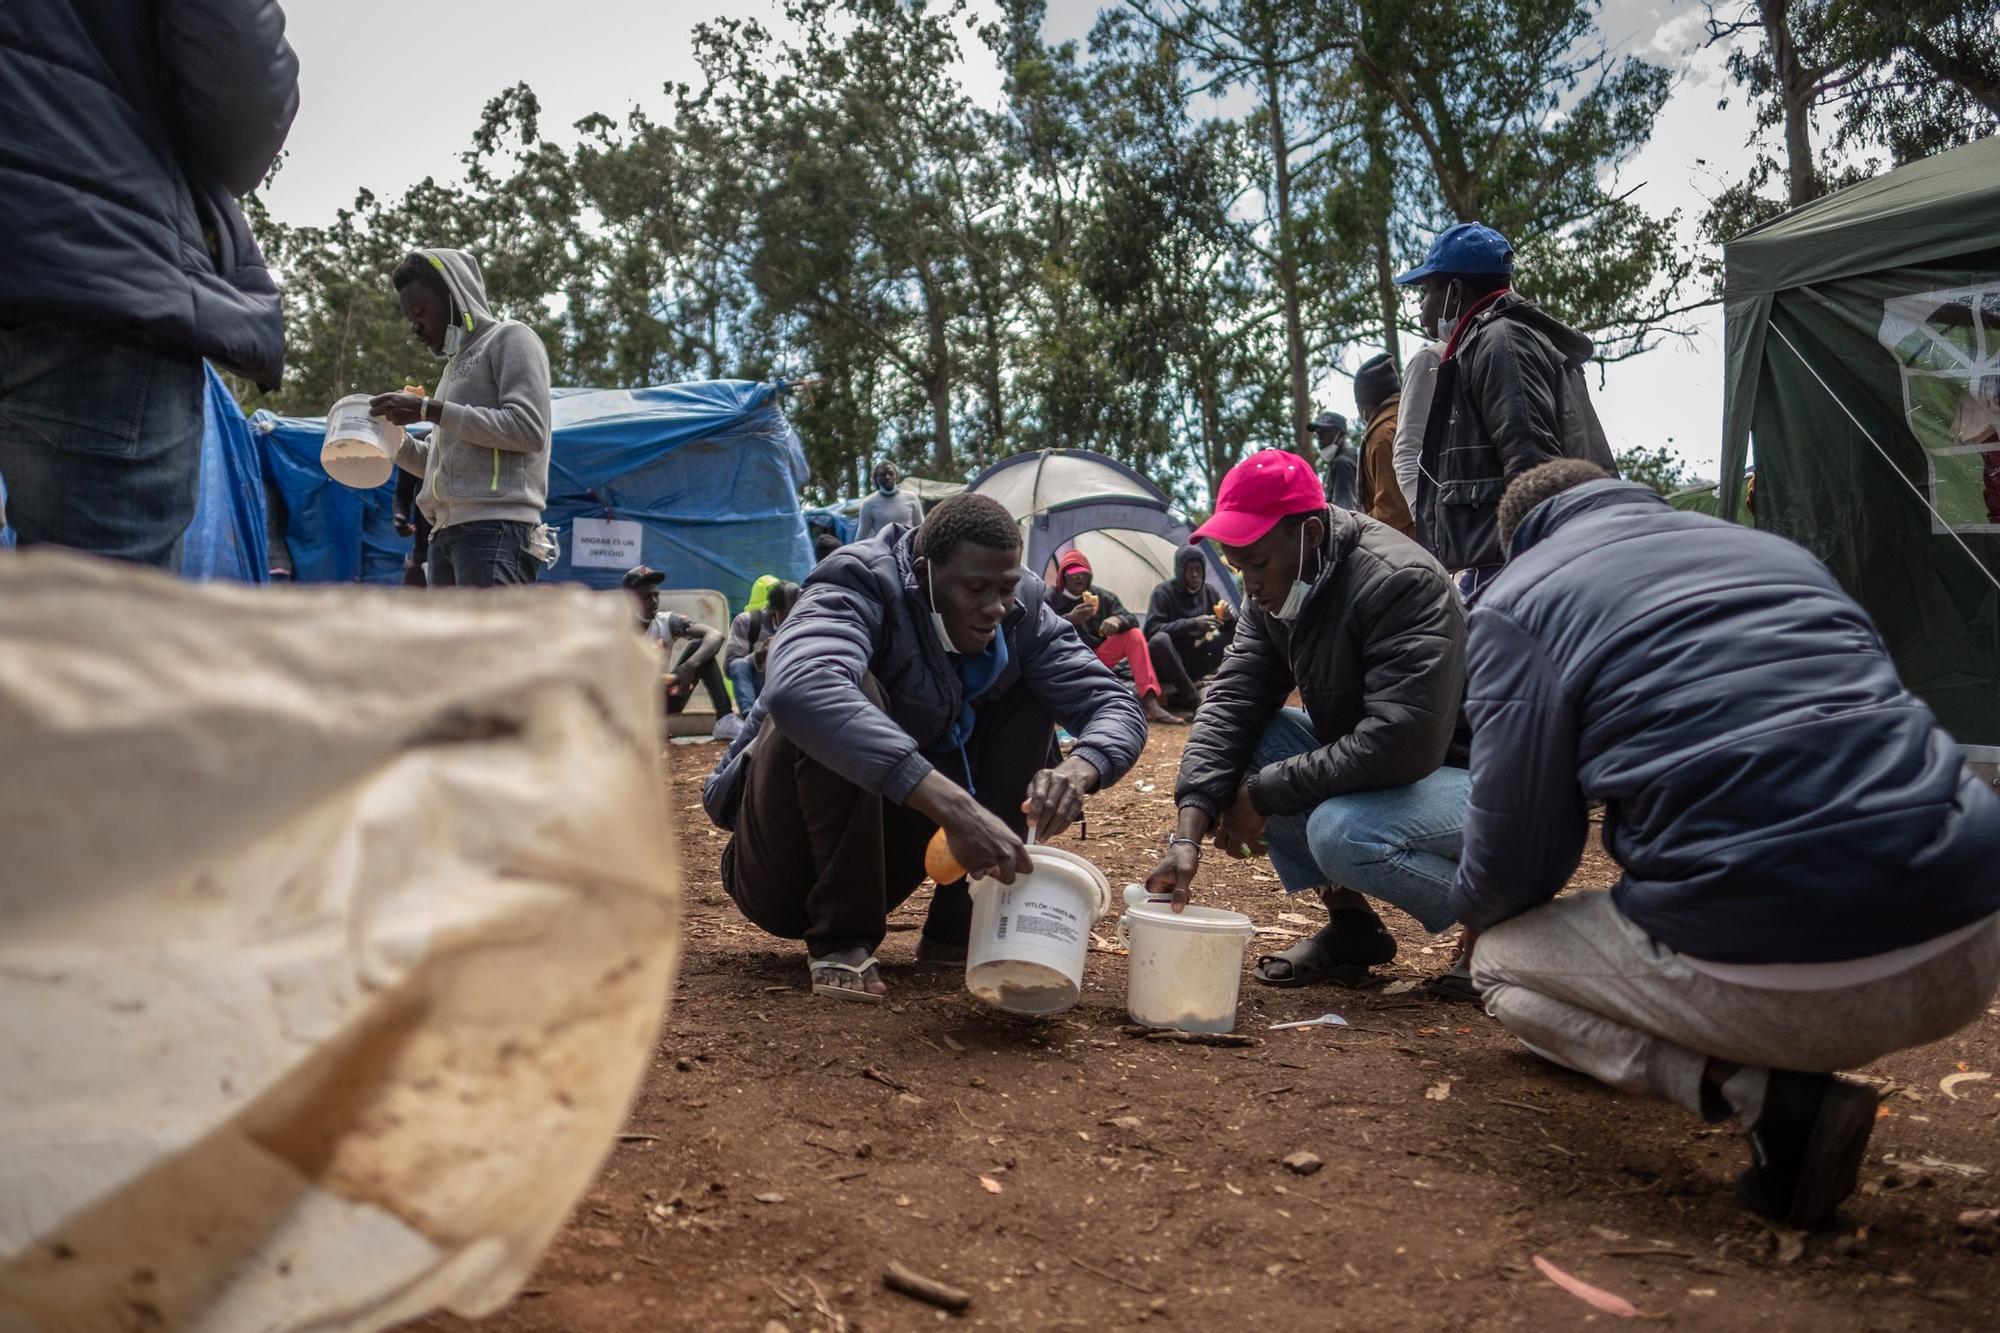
(486, 465)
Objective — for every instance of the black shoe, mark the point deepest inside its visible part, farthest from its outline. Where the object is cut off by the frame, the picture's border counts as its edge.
(1806, 1147)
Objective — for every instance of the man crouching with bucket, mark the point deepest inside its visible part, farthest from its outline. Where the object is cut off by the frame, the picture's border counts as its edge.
(915, 686)
(1362, 794)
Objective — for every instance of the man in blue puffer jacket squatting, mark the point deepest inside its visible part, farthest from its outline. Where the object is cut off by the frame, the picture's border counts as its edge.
(1811, 873)
(128, 128)
(915, 686)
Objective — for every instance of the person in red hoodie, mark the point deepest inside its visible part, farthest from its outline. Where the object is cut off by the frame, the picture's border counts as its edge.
(1112, 632)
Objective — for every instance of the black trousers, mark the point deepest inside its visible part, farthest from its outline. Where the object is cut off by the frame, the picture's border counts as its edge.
(1179, 665)
(816, 858)
(711, 680)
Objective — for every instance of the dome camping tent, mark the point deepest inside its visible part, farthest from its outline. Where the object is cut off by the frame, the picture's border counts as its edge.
(1068, 498)
(1863, 341)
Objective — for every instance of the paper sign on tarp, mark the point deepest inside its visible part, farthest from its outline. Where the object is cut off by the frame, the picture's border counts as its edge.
(605, 543)
(336, 927)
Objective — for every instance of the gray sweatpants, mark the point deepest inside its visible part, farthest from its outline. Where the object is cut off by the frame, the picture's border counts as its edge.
(1581, 985)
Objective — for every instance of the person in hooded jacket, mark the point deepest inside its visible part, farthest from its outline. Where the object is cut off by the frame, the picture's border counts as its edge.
(1361, 794)
(1809, 867)
(1189, 624)
(916, 687)
(128, 130)
(1110, 631)
(1378, 397)
(485, 466)
(1509, 395)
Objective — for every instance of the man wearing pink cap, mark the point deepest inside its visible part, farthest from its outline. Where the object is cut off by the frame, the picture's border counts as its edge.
(1110, 631)
(1362, 792)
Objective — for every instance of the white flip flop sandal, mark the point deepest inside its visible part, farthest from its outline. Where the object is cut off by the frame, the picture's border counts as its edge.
(823, 969)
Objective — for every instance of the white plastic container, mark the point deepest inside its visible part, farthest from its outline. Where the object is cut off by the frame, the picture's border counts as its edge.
(360, 448)
(1186, 968)
(1030, 938)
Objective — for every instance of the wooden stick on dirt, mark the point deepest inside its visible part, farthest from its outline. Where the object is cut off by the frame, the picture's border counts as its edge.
(928, 1290)
(1189, 1038)
(1125, 1282)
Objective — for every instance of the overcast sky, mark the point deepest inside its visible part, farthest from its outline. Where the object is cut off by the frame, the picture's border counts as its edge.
(360, 101)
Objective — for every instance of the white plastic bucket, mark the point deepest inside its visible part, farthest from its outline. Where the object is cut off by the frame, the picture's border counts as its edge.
(1029, 938)
(359, 449)
(1186, 968)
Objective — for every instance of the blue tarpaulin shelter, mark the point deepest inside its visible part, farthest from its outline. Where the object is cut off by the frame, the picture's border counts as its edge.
(710, 472)
(226, 539)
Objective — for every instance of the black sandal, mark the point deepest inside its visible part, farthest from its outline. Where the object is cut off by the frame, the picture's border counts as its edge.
(1352, 942)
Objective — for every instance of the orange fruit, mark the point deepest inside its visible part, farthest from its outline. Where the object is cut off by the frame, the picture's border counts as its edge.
(939, 863)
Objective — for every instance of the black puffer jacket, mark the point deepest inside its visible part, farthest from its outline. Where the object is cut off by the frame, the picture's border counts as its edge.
(862, 614)
(127, 129)
(1772, 793)
(1511, 396)
(1378, 657)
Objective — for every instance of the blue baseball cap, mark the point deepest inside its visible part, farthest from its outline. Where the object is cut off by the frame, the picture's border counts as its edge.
(1469, 247)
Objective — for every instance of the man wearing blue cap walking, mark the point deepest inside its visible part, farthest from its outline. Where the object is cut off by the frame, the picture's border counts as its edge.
(1510, 395)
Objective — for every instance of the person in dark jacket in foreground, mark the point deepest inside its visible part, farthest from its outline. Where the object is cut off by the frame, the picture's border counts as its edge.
(1110, 631)
(1809, 867)
(128, 130)
(1188, 627)
(1356, 795)
(916, 686)
(1509, 395)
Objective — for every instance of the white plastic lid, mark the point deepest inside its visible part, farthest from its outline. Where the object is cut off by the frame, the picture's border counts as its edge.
(1202, 920)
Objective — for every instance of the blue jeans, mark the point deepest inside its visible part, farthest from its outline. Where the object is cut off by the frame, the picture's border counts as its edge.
(100, 441)
(743, 675)
(485, 553)
(1398, 844)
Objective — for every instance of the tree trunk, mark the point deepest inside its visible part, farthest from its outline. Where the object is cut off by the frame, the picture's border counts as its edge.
(1381, 178)
(1288, 261)
(1796, 86)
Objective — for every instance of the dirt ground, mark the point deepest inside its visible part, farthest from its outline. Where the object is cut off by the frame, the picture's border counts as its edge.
(785, 1149)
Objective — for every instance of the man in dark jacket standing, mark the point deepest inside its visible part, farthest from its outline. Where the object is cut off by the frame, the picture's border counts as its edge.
(1188, 628)
(1809, 867)
(916, 686)
(1355, 794)
(1510, 394)
(127, 130)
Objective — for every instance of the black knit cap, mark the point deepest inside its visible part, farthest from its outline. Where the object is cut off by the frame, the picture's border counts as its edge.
(1374, 382)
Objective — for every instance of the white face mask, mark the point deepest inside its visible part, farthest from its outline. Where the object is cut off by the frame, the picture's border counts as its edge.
(937, 621)
(1295, 600)
(1448, 324)
(455, 335)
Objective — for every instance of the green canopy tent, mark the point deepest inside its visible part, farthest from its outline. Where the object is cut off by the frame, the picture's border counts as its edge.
(1863, 336)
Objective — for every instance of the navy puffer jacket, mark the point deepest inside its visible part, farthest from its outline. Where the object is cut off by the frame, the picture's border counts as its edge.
(1772, 792)
(127, 129)
(863, 614)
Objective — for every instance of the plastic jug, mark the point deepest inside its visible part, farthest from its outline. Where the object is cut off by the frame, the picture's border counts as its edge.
(359, 449)
(1186, 968)
(1029, 938)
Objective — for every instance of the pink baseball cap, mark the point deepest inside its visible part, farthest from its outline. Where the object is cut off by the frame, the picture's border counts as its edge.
(1259, 491)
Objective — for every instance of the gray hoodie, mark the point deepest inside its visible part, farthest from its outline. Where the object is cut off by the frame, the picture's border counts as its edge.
(489, 457)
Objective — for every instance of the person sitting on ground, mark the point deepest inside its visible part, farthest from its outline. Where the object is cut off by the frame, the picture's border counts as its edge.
(680, 667)
(890, 504)
(485, 464)
(1808, 863)
(1110, 631)
(1189, 624)
(750, 635)
(1360, 793)
(1378, 396)
(1510, 394)
(916, 686)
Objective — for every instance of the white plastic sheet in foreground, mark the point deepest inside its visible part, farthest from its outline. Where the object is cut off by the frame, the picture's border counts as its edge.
(336, 928)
